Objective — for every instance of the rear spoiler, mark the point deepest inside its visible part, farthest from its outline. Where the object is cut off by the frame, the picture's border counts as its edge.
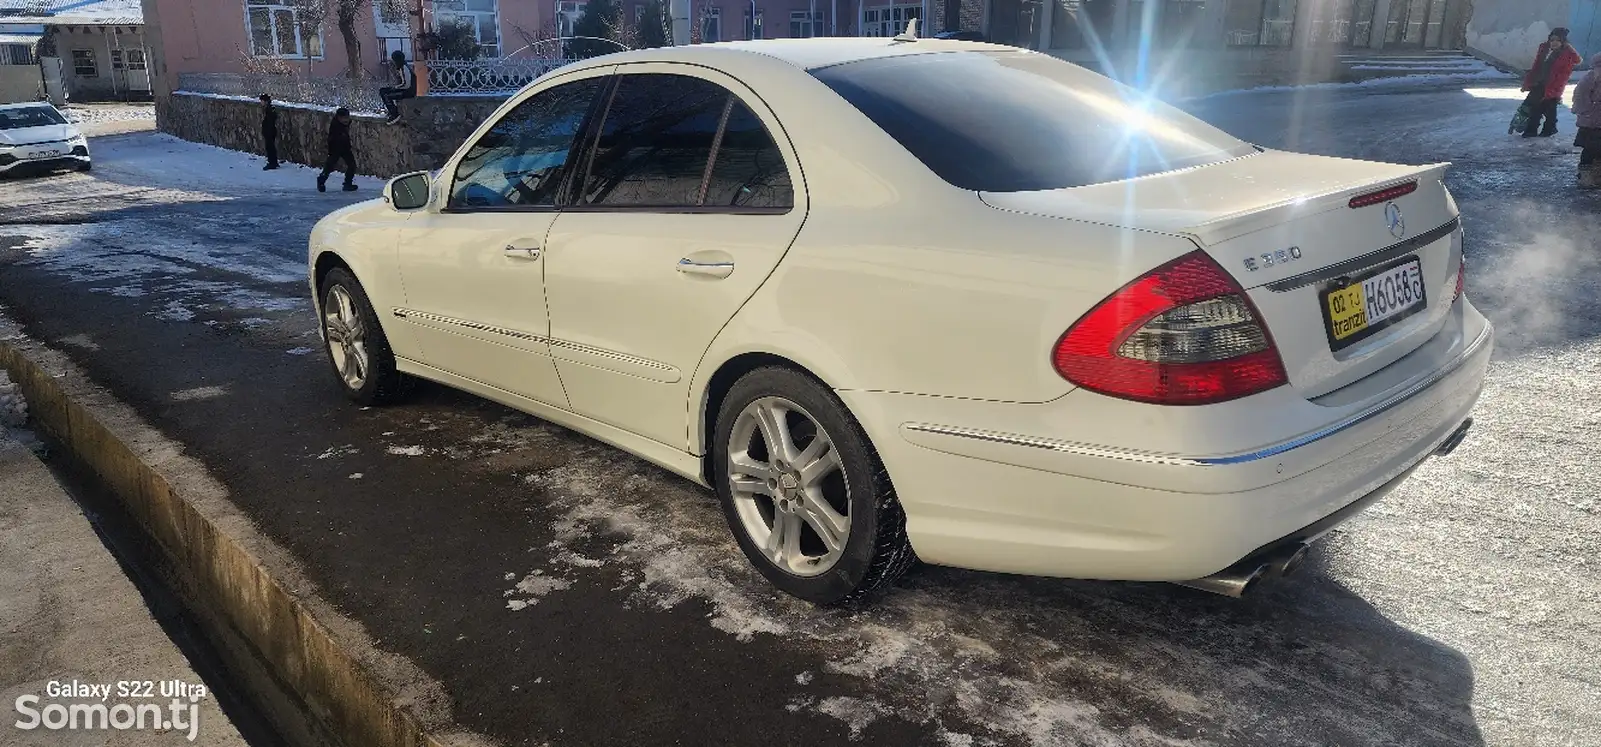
(1344, 197)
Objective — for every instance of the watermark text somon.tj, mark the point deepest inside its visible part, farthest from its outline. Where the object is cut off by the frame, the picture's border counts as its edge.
(141, 705)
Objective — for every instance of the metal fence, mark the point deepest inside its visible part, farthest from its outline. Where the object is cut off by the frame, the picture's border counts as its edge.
(504, 76)
(358, 96)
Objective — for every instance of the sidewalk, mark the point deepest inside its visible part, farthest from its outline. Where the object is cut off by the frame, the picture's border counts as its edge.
(69, 615)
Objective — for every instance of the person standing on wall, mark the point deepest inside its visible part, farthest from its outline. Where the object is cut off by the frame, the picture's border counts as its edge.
(269, 132)
(339, 150)
(1547, 80)
(405, 79)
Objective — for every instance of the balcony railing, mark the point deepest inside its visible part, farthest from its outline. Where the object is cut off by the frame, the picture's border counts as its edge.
(503, 76)
(359, 96)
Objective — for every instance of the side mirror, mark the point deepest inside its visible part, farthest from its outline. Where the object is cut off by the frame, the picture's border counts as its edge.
(407, 191)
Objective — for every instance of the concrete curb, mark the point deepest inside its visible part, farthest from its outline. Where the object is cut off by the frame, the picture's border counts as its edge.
(245, 588)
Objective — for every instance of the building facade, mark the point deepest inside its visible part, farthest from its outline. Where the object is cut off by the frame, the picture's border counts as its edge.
(1508, 31)
(80, 50)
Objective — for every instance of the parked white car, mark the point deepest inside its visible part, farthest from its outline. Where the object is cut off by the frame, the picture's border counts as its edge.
(966, 300)
(37, 136)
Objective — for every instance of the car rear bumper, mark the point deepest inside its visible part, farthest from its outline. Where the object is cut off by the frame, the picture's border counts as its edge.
(994, 498)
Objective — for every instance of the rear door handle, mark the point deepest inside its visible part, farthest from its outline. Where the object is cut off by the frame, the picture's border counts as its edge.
(516, 252)
(700, 267)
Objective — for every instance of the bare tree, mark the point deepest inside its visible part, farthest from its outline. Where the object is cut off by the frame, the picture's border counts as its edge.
(310, 17)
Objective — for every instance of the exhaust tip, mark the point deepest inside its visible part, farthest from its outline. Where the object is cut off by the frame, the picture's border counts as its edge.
(1455, 439)
(1231, 582)
(1290, 561)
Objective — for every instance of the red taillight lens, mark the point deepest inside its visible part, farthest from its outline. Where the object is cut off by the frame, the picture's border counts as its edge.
(1461, 276)
(1182, 334)
(1383, 195)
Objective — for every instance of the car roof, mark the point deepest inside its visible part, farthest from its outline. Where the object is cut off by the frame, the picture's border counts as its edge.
(806, 54)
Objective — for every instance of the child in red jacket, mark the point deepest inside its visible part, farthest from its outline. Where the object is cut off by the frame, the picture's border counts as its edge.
(1553, 65)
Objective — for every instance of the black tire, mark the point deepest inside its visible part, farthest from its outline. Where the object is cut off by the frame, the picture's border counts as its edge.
(877, 551)
(85, 167)
(383, 384)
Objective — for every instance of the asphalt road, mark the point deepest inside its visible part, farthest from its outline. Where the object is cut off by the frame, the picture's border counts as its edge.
(565, 592)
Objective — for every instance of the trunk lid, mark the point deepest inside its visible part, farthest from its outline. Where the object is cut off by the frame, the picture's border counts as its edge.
(1281, 224)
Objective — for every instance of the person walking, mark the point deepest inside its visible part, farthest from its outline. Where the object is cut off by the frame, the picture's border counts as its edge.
(1554, 62)
(1587, 110)
(404, 76)
(339, 150)
(269, 132)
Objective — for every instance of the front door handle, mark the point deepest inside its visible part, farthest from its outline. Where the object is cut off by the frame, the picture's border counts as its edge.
(700, 267)
(516, 252)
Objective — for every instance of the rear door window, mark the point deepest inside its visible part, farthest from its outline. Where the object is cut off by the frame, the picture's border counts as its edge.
(1020, 121)
(677, 141)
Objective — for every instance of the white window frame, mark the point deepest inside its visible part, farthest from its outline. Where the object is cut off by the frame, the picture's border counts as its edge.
(273, 9)
(797, 21)
(475, 18)
(567, 14)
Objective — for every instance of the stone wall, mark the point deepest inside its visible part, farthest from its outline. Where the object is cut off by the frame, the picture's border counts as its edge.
(432, 129)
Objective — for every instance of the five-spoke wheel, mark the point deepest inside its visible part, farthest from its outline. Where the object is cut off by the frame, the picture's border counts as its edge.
(356, 343)
(803, 489)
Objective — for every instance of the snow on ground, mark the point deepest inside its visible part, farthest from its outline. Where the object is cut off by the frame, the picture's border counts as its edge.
(1440, 80)
(88, 113)
(13, 409)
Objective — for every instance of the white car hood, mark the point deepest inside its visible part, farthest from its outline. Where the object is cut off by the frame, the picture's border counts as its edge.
(43, 134)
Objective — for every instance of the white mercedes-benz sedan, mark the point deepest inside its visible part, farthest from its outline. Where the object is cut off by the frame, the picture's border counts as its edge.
(900, 299)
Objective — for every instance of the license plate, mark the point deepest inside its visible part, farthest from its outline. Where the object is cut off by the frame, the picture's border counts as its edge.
(1359, 309)
(35, 155)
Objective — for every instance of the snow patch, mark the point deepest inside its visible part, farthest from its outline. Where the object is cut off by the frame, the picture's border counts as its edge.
(300, 351)
(409, 451)
(80, 341)
(13, 408)
(199, 393)
(532, 588)
(335, 452)
(857, 713)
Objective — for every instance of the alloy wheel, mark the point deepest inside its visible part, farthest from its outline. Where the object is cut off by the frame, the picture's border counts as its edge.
(788, 486)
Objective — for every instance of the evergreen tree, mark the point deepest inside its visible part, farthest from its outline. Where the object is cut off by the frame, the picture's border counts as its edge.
(652, 26)
(600, 20)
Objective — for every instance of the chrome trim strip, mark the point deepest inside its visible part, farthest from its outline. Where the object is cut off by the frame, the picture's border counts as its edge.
(612, 354)
(1081, 449)
(512, 333)
(1371, 258)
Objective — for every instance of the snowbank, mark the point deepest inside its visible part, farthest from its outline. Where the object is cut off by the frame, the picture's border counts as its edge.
(13, 409)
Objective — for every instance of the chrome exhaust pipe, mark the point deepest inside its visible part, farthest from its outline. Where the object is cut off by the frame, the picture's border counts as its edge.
(1233, 581)
(1455, 439)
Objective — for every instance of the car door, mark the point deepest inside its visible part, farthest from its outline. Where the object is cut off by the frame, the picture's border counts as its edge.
(664, 242)
(473, 268)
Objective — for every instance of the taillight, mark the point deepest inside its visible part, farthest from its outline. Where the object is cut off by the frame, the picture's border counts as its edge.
(1182, 334)
(1461, 276)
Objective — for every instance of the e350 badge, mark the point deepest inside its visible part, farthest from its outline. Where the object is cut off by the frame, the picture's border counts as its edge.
(1270, 259)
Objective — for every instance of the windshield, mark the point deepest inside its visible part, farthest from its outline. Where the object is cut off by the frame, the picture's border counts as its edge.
(29, 116)
(1017, 121)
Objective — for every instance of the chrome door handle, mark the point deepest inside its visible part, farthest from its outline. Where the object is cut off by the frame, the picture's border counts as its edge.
(520, 253)
(714, 269)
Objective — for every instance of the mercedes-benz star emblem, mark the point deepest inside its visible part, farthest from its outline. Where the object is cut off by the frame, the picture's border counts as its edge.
(1393, 219)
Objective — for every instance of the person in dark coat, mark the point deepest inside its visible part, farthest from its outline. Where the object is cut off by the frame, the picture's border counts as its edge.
(339, 150)
(405, 79)
(269, 132)
(1554, 62)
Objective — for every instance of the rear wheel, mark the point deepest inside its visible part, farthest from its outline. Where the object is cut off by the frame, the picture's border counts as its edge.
(804, 492)
(362, 361)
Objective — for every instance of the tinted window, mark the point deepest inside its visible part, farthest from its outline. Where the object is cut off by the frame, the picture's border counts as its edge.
(523, 159)
(29, 116)
(749, 170)
(1014, 121)
(655, 142)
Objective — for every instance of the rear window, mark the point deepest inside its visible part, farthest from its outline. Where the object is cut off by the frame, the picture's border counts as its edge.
(1019, 121)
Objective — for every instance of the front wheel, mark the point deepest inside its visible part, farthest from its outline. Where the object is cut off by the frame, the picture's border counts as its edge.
(362, 361)
(803, 491)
